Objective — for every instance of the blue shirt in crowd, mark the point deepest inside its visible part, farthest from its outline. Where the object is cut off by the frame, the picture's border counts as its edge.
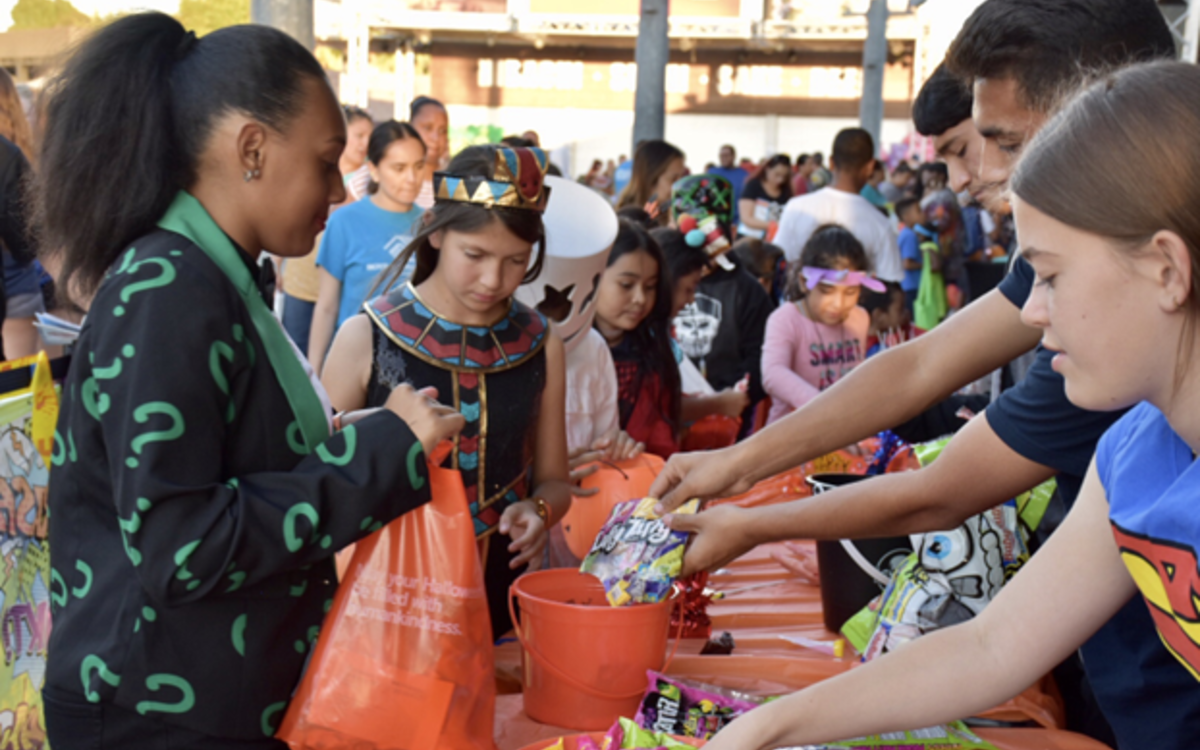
(737, 177)
(360, 241)
(910, 249)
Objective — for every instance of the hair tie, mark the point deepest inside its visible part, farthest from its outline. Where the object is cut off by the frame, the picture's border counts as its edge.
(695, 238)
(186, 43)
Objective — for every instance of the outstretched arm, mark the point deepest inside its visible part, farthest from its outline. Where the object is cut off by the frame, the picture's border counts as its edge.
(1076, 581)
(882, 392)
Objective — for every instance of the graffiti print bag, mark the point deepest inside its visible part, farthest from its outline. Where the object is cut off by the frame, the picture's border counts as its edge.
(404, 659)
(27, 419)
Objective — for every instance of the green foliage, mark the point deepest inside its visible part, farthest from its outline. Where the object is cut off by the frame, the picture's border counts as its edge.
(47, 14)
(203, 16)
(473, 135)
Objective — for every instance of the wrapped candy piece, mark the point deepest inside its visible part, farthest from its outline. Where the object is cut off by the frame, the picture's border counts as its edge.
(636, 556)
(690, 709)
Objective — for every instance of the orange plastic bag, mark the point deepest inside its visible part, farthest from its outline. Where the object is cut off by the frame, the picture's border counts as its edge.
(404, 660)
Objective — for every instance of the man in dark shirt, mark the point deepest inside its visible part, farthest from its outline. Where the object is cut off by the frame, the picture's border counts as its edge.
(1020, 55)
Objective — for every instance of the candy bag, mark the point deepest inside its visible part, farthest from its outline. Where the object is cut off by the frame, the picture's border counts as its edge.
(689, 709)
(634, 737)
(952, 736)
(636, 556)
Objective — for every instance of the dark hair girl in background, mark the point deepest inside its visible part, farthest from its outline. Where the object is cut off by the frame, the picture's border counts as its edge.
(656, 167)
(364, 237)
(633, 313)
(429, 117)
(197, 494)
(764, 196)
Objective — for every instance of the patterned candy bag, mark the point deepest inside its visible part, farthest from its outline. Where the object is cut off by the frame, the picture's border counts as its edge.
(690, 709)
(636, 556)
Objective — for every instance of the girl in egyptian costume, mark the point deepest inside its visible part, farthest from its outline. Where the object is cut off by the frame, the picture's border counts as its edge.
(457, 327)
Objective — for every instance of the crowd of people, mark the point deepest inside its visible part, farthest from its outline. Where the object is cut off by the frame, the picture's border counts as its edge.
(334, 297)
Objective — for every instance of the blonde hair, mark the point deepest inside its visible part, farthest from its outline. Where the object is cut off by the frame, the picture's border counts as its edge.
(13, 124)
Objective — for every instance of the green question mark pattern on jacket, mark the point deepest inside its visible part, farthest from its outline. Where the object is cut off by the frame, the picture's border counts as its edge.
(239, 335)
(165, 277)
(217, 352)
(351, 437)
(56, 579)
(268, 714)
(156, 682)
(81, 591)
(290, 538)
(181, 560)
(236, 578)
(295, 439)
(92, 663)
(126, 261)
(96, 403)
(131, 526)
(238, 635)
(142, 414)
(415, 480)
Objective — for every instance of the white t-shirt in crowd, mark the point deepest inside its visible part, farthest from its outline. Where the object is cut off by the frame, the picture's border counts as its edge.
(591, 392)
(803, 214)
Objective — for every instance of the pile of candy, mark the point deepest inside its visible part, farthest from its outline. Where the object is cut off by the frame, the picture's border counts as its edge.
(636, 556)
(690, 709)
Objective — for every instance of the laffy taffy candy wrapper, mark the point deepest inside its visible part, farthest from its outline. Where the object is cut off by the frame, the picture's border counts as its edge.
(636, 556)
(690, 709)
(627, 735)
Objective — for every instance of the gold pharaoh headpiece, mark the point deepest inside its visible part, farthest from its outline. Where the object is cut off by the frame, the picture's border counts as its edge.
(518, 181)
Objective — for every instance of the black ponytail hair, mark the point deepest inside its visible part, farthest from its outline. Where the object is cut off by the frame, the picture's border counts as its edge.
(681, 258)
(383, 136)
(473, 161)
(128, 118)
(652, 338)
(420, 103)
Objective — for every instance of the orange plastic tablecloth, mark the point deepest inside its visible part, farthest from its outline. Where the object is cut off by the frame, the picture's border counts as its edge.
(763, 661)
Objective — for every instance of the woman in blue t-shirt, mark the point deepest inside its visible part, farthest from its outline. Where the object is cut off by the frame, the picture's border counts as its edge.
(364, 237)
(1118, 299)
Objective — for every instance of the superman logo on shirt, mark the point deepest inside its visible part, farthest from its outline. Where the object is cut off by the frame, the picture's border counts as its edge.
(1166, 573)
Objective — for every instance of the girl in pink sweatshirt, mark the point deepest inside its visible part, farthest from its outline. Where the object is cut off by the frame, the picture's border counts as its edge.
(820, 333)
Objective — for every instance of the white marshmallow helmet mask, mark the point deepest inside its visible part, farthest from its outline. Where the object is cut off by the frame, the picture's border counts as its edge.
(580, 229)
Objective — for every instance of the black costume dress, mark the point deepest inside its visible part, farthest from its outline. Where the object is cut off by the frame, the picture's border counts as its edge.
(494, 376)
(197, 497)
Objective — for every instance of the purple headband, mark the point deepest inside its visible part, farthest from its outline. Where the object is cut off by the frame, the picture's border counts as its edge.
(814, 276)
